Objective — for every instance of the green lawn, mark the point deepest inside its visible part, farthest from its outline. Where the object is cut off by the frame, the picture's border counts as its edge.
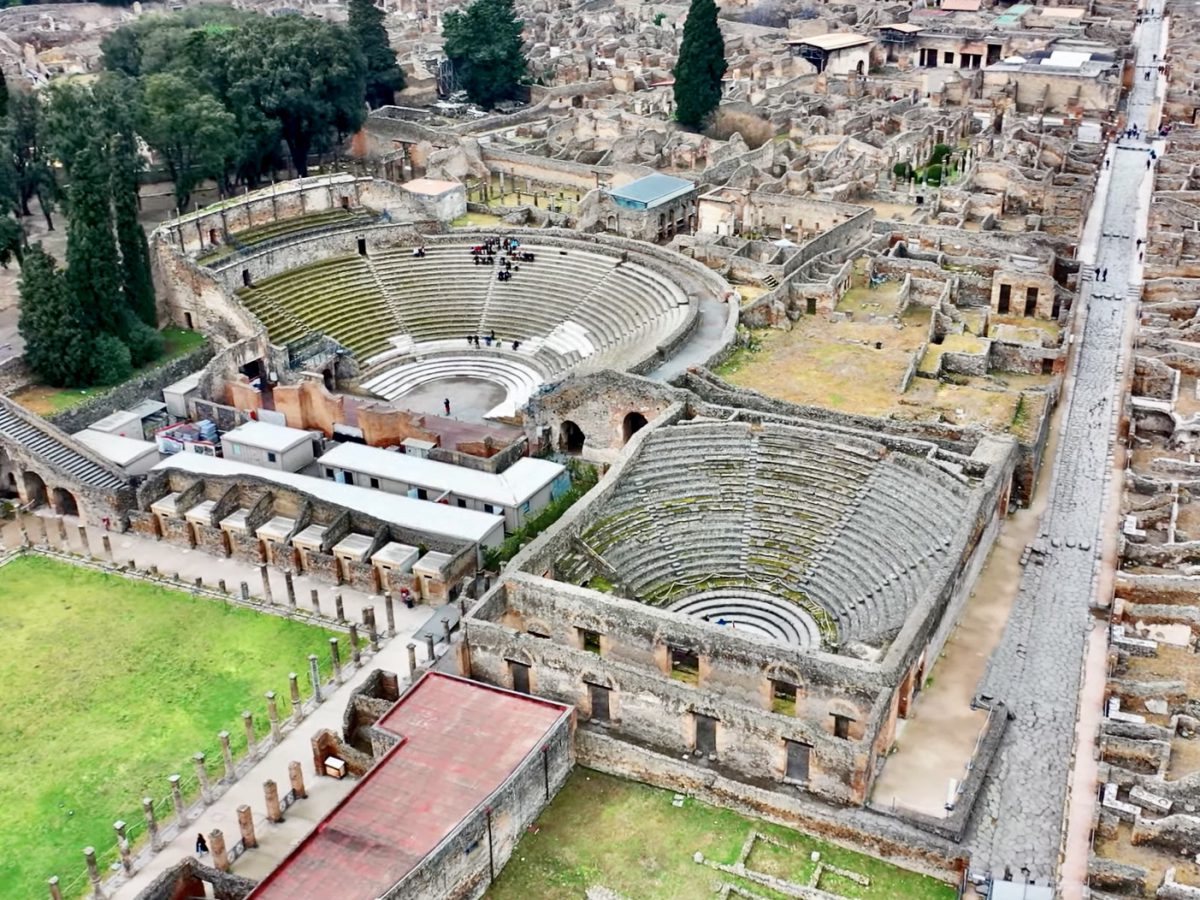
(46, 401)
(627, 837)
(107, 686)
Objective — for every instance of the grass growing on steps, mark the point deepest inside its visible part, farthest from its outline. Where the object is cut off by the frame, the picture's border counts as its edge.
(109, 686)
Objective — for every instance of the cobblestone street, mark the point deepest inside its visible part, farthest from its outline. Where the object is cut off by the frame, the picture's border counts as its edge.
(1018, 822)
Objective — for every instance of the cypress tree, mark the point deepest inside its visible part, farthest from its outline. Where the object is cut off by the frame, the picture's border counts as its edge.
(58, 343)
(131, 237)
(484, 43)
(384, 77)
(700, 65)
(93, 274)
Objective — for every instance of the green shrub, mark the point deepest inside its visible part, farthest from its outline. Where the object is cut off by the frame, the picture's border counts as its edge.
(111, 360)
(145, 344)
(903, 170)
(933, 175)
(583, 479)
(940, 153)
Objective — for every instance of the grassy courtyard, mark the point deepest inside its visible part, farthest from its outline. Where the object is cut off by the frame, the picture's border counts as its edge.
(48, 401)
(605, 832)
(109, 686)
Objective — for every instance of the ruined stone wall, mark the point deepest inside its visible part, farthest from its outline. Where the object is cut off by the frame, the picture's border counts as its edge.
(143, 386)
(859, 829)
(459, 867)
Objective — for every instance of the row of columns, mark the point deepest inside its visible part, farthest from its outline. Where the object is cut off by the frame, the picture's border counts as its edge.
(30, 536)
(216, 839)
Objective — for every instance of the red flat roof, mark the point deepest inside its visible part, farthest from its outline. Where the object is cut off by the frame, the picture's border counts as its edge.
(461, 740)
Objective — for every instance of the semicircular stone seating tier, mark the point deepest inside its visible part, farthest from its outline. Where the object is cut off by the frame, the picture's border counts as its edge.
(844, 530)
(756, 613)
(572, 309)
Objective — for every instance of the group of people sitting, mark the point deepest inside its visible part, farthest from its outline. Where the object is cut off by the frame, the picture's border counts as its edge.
(488, 340)
(485, 254)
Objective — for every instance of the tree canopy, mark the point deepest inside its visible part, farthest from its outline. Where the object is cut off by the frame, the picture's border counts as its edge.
(288, 79)
(384, 77)
(700, 66)
(191, 131)
(484, 43)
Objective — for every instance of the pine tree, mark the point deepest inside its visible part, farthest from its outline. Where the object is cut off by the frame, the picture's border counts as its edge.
(58, 343)
(3, 95)
(484, 43)
(384, 77)
(700, 65)
(131, 237)
(93, 274)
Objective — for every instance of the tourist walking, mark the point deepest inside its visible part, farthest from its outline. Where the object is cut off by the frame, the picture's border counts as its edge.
(446, 403)
(201, 844)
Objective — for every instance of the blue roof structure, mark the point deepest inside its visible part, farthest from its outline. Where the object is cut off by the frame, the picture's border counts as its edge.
(651, 191)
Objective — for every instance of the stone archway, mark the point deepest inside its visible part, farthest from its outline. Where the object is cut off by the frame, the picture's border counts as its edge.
(571, 438)
(35, 489)
(65, 503)
(632, 424)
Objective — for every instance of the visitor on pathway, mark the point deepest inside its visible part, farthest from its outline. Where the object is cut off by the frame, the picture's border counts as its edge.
(201, 844)
(446, 403)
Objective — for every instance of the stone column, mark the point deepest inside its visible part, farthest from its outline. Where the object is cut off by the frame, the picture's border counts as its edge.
(336, 657)
(202, 778)
(123, 846)
(316, 601)
(389, 609)
(216, 846)
(55, 891)
(273, 716)
(221, 586)
(246, 826)
(314, 672)
(227, 755)
(248, 724)
(355, 653)
(429, 648)
(84, 546)
(372, 632)
(62, 532)
(291, 590)
(177, 799)
(337, 605)
(266, 581)
(107, 544)
(294, 693)
(271, 793)
(446, 631)
(151, 824)
(412, 658)
(93, 871)
(296, 776)
(245, 592)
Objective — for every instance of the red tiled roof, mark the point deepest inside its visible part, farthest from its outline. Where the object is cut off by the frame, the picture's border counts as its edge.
(460, 741)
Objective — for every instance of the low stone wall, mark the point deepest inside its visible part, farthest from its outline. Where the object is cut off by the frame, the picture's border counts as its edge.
(146, 386)
(954, 826)
(858, 829)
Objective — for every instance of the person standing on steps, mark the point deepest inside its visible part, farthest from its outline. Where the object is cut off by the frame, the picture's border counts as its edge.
(446, 403)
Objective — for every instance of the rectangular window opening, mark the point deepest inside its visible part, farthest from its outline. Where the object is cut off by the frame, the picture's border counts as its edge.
(783, 698)
(589, 640)
(685, 666)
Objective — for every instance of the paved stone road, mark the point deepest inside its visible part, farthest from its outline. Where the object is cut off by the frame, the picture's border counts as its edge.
(1018, 820)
